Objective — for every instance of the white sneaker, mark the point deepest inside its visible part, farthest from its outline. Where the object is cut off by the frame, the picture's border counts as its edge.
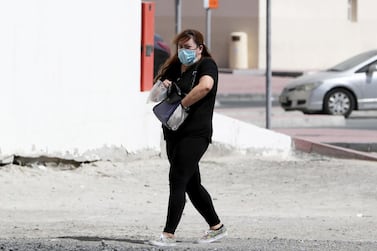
(213, 235)
(164, 241)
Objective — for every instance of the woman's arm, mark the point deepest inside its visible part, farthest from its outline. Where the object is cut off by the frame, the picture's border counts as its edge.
(204, 86)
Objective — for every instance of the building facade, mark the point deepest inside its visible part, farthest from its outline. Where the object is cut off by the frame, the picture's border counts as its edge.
(305, 34)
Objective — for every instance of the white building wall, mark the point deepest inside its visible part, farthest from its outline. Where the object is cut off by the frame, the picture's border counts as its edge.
(314, 34)
(70, 77)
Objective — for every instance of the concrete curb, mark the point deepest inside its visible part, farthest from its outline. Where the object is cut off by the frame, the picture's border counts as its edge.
(281, 73)
(330, 150)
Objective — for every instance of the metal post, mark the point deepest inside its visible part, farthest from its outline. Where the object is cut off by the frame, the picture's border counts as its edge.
(268, 65)
(178, 16)
(208, 28)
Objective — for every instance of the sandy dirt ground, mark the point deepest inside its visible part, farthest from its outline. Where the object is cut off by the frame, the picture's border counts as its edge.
(299, 202)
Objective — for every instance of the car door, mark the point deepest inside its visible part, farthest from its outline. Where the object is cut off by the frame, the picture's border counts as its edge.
(366, 84)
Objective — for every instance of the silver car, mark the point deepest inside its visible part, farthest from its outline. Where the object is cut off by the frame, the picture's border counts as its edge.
(350, 85)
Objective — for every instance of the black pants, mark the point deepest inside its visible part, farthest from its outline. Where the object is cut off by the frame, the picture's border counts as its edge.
(184, 177)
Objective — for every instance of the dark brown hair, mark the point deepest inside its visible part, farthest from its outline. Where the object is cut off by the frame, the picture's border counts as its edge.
(183, 36)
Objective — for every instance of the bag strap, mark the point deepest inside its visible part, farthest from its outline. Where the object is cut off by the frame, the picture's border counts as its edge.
(194, 72)
(179, 92)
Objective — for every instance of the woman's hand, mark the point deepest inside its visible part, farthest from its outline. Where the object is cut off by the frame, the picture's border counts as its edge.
(167, 83)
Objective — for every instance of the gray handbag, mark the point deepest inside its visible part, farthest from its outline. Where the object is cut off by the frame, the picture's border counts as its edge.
(170, 111)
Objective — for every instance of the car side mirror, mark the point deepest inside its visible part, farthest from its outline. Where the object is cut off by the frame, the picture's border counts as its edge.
(372, 68)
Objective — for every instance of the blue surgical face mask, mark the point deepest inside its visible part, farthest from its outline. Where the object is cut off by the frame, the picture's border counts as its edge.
(186, 56)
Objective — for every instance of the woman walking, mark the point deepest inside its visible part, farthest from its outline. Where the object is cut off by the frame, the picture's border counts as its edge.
(195, 72)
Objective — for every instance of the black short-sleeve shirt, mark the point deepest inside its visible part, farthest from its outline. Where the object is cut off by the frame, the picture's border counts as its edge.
(199, 121)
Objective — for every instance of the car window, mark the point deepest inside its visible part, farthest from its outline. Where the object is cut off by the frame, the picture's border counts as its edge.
(352, 62)
(365, 68)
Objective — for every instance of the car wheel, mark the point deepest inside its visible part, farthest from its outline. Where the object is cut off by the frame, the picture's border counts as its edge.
(339, 102)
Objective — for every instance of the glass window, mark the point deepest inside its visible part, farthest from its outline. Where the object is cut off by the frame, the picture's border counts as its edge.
(353, 61)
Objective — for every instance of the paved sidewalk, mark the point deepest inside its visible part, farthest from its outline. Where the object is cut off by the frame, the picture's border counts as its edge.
(249, 85)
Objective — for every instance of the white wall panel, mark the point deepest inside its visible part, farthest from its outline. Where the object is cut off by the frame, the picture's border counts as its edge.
(70, 76)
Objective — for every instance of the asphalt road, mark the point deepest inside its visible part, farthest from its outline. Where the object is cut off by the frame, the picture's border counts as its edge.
(362, 120)
(255, 112)
(130, 244)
